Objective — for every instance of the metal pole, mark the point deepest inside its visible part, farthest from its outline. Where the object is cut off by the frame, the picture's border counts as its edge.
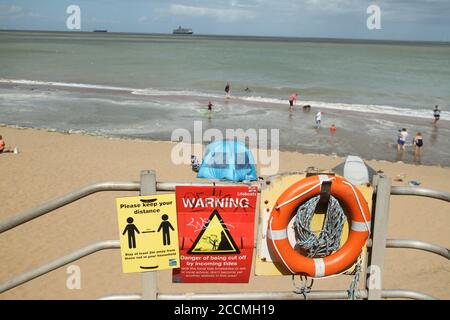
(313, 295)
(421, 192)
(59, 262)
(149, 279)
(64, 200)
(418, 245)
(170, 186)
(380, 222)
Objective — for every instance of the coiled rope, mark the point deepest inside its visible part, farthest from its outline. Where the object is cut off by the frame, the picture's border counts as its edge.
(319, 243)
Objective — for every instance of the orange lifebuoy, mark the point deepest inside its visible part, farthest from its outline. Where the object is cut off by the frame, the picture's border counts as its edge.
(356, 209)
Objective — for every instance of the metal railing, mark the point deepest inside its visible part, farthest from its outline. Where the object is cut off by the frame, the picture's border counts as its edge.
(148, 185)
(66, 199)
(115, 244)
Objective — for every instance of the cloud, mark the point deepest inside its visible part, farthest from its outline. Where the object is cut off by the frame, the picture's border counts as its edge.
(143, 19)
(14, 12)
(10, 12)
(222, 14)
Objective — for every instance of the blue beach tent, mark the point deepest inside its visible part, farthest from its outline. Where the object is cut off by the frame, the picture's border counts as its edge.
(227, 160)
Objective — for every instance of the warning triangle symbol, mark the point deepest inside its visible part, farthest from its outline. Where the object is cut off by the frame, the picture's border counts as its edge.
(214, 238)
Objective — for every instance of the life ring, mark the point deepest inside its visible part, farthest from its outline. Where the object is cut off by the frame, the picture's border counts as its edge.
(356, 209)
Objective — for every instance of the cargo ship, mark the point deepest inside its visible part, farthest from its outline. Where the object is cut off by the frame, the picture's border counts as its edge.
(181, 30)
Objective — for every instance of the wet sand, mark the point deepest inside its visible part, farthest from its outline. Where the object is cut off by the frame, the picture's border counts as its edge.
(120, 113)
(51, 164)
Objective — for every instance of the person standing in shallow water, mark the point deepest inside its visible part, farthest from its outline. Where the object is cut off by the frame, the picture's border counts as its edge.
(227, 90)
(418, 144)
(436, 114)
(401, 139)
(292, 100)
(318, 119)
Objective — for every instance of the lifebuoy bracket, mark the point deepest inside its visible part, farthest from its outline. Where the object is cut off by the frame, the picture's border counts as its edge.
(325, 192)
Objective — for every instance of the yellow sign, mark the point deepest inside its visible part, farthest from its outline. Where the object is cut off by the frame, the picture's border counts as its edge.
(148, 233)
(214, 238)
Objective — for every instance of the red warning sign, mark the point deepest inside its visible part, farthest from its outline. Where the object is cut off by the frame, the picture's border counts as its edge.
(216, 233)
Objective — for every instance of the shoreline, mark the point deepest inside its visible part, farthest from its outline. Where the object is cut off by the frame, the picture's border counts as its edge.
(201, 97)
(142, 139)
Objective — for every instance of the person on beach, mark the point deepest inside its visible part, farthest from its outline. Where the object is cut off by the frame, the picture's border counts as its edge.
(227, 90)
(418, 144)
(401, 139)
(292, 100)
(437, 114)
(3, 148)
(318, 119)
(210, 105)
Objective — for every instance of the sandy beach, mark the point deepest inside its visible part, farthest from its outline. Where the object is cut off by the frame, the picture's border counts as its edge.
(51, 164)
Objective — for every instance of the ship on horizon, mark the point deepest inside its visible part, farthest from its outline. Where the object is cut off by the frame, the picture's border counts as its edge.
(181, 30)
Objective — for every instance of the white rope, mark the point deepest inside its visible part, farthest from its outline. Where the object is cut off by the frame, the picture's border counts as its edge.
(360, 207)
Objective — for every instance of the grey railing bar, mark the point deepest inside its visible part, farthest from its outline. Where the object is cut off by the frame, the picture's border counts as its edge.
(408, 294)
(59, 262)
(288, 295)
(66, 199)
(419, 245)
(122, 297)
(422, 192)
(313, 295)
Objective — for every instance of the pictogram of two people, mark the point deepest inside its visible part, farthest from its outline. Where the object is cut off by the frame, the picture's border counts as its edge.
(131, 229)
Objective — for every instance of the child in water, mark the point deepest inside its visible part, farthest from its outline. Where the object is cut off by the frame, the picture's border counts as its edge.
(333, 128)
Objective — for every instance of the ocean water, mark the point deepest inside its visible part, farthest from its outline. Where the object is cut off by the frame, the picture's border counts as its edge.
(148, 85)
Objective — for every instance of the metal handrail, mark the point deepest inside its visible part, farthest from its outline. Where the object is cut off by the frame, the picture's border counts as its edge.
(170, 186)
(422, 192)
(59, 262)
(66, 199)
(161, 186)
(130, 296)
(418, 245)
(313, 295)
(115, 244)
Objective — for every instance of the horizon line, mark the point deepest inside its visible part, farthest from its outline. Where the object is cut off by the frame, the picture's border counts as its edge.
(271, 37)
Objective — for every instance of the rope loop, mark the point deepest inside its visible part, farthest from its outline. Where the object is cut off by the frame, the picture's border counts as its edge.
(319, 243)
(304, 288)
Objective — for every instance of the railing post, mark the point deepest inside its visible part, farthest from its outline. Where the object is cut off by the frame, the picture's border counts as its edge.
(149, 279)
(380, 223)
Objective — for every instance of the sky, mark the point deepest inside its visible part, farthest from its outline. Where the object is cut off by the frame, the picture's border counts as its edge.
(427, 20)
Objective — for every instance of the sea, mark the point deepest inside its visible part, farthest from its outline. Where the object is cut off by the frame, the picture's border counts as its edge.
(145, 86)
